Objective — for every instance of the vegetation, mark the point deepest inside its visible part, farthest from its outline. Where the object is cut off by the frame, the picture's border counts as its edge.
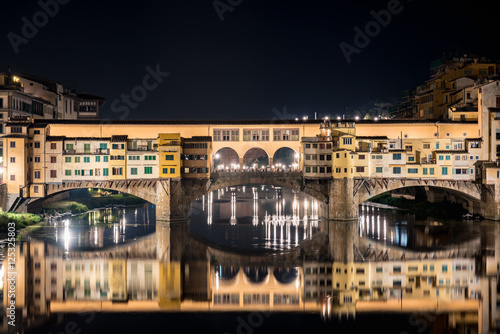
(421, 207)
(22, 220)
(89, 202)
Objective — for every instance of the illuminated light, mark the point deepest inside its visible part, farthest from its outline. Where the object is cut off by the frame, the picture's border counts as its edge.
(338, 118)
(297, 155)
(356, 118)
(217, 156)
(375, 119)
(304, 118)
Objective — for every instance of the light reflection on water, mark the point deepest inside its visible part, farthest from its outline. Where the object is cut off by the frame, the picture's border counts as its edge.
(170, 272)
(255, 217)
(99, 228)
(400, 228)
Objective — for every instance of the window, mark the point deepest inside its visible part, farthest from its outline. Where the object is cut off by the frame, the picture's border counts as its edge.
(150, 157)
(86, 159)
(105, 172)
(411, 159)
(67, 172)
(53, 160)
(53, 146)
(448, 157)
(117, 171)
(396, 156)
(361, 157)
(431, 171)
(67, 159)
(105, 158)
(97, 158)
(117, 146)
(378, 169)
(12, 177)
(347, 141)
(440, 157)
(169, 157)
(148, 170)
(412, 170)
(172, 170)
(396, 170)
(37, 144)
(396, 269)
(444, 268)
(35, 189)
(427, 146)
(133, 171)
(77, 159)
(360, 169)
(53, 174)
(12, 159)
(37, 159)
(37, 174)
(444, 171)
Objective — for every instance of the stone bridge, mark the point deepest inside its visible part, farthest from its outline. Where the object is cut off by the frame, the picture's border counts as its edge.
(340, 198)
(345, 195)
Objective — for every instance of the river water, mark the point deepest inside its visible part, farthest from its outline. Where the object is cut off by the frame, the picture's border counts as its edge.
(250, 259)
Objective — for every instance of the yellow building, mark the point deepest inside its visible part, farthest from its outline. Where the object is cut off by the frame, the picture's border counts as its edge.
(117, 163)
(170, 150)
(435, 96)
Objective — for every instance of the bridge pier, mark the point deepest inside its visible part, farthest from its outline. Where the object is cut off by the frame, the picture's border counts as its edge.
(490, 204)
(342, 204)
(342, 237)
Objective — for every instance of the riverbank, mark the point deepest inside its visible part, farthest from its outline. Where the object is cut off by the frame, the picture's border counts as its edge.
(421, 207)
(84, 204)
(22, 220)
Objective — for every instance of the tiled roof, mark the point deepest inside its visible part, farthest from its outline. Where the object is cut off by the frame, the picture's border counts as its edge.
(115, 139)
(198, 138)
(451, 151)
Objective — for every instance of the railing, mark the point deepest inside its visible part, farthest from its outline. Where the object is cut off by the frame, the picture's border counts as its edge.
(425, 161)
(97, 151)
(143, 148)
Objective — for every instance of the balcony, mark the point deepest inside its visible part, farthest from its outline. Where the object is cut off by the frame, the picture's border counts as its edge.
(426, 161)
(95, 152)
(141, 148)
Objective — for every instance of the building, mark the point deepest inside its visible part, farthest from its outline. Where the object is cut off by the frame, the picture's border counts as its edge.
(449, 78)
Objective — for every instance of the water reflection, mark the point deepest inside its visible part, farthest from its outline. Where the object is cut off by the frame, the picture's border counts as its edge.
(260, 217)
(400, 228)
(99, 228)
(336, 274)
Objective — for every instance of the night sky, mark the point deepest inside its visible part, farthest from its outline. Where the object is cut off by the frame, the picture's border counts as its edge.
(263, 55)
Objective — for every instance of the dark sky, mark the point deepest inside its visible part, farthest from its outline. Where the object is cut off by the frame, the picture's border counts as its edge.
(263, 55)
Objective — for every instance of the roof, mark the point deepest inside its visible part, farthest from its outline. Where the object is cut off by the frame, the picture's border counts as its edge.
(177, 122)
(371, 137)
(119, 138)
(55, 138)
(490, 165)
(464, 109)
(397, 150)
(473, 139)
(15, 136)
(198, 138)
(451, 151)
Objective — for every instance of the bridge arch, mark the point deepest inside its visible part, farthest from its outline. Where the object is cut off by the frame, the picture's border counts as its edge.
(285, 156)
(257, 157)
(226, 158)
(365, 189)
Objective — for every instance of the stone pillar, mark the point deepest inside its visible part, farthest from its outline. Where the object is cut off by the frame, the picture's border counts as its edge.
(491, 202)
(162, 200)
(342, 237)
(342, 204)
(271, 162)
(241, 162)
